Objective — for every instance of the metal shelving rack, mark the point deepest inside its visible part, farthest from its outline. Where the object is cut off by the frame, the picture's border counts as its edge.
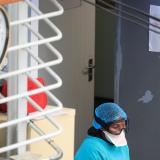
(19, 71)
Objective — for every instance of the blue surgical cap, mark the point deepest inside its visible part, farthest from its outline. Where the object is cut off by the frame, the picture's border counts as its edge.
(108, 113)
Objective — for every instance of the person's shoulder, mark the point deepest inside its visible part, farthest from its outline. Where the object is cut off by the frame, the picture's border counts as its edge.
(92, 139)
(94, 142)
(91, 148)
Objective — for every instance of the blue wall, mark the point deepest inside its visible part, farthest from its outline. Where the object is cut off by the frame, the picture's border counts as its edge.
(138, 85)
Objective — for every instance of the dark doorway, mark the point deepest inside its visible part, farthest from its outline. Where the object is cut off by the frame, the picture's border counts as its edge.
(104, 56)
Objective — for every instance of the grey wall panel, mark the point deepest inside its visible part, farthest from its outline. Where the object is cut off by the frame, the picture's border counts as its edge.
(137, 86)
(68, 4)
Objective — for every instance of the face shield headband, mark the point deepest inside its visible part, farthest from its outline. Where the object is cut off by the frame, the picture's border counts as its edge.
(106, 126)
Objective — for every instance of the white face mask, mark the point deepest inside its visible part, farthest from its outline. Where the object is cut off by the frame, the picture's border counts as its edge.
(117, 140)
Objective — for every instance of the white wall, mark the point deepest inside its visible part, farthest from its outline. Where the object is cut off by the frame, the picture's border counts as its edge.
(77, 46)
(105, 41)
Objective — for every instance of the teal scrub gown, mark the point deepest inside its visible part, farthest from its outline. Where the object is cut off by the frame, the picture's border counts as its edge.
(94, 148)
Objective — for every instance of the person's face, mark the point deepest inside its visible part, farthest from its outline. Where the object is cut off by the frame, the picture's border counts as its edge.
(117, 127)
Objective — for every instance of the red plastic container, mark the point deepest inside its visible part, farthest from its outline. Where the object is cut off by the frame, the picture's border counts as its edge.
(40, 98)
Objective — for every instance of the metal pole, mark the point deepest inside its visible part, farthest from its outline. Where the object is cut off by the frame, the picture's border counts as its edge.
(18, 108)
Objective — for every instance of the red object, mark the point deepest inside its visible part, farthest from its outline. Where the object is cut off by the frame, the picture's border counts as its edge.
(3, 2)
(40, 98)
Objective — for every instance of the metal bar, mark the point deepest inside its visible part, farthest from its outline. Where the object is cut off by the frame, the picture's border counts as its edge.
(43, 137)
(12, 82)
(53, 49)
(22, 57)
(32, 37)
(40, 42)
(51, 96)
(22, 71)
(40, 17)
(38, 108)
(40, 61)
(25, 47)
(49, 141)
(30, 117)
(52, 39)
(39, 131)
(48, 45)
(27, 142)
(29, 93)
(49, 70)
(17, 60)
(53, 74)
(47, 20)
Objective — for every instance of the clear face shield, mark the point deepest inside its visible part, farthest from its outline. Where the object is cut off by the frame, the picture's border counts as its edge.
(112, 120)
(115, 131)
(115, 127)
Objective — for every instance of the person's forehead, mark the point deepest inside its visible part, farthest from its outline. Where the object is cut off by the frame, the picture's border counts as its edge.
(119, 122)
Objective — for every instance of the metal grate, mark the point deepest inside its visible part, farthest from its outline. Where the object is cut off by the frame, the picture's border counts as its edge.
(24, 72)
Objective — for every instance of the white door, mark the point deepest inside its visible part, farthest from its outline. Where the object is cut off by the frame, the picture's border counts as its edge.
(77, 47)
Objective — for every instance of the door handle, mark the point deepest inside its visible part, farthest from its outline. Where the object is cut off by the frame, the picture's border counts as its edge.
(90, 69)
